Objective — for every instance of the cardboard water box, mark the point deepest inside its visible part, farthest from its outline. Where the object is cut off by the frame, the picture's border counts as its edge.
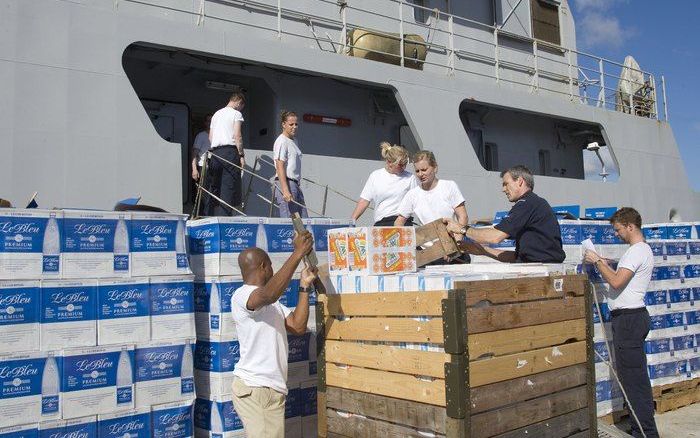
(681, 231)
(95, 244)
(172, 420)
(292, 412)
(338, 250)
(84, 427)
(157, 244)
(278, 241)
(217, 418)
(212, 306)
(309, 408)
(123, 311)
(97, 380)
(214, 361)
(214, 243)
(299, 355)
(172, 307)
(68, 314)
(654, 231)
(319, 229)
(373, 250)
(19, 315)
(30, 243)
(164, 372)
(23, 431)
(134, 423)
(29, 388)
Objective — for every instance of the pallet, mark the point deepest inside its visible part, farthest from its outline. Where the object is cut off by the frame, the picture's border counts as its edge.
(515, 360)
(676, 395)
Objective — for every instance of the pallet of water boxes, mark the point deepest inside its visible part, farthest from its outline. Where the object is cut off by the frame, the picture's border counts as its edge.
(477, 350)
(97, 324)
(214, 246)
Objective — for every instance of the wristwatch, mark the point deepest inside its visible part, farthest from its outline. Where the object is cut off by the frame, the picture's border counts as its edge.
(304, 289)
(463, 230)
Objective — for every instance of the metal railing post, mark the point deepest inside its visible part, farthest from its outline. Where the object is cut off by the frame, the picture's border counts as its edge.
(279, 19)
(451, 59)
(325, 201)
(496, 64)
(663, 90)
(571, 75)
(654, 96)
(601, 95)
(536, 77)
(343, 17)
(401, 31)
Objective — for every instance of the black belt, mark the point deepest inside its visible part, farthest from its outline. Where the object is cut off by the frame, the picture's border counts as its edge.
(618, 312)
(288, 179)
(224, 146)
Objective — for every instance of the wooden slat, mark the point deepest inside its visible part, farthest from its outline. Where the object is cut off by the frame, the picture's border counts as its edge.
(521, 289)
(408, 413)
(526, 338)
(495, 395)
(505, 316)
(388, 358)
(558, 427)
(396, 385)
(321, 413)
(386, 329)
(498, 369)
(513, 417)
(359, 427)
(385, 304)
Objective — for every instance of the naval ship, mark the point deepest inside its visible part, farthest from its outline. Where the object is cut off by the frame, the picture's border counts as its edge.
(101, 99)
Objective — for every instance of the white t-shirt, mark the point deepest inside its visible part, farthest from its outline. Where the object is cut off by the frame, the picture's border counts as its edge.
(286, 149)
(640, 260)
(221, 127)
(201, 146)
(262, 337)
(430, 205)
(387, 190)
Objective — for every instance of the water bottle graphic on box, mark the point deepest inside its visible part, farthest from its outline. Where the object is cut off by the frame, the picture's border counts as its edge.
(187, 370)
(121, 246)
(180, 246)
(215, 423)
(214, 309)
(51, 248)
(50, 387)
(125, 379)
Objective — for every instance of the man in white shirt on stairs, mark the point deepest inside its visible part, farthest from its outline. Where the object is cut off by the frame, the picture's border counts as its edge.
(262, 322)
(630, 319)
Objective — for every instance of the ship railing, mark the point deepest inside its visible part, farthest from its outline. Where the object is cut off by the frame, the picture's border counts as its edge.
(454, 45)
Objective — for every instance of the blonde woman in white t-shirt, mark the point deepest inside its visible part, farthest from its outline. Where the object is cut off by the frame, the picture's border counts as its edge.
(386, 187)
(287, 156)
(433, 198)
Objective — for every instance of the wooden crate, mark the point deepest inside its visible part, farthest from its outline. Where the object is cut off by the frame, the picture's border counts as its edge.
(676, 395)
(517, 361)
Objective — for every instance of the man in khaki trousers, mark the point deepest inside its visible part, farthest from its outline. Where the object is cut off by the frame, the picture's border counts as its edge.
(262, 323)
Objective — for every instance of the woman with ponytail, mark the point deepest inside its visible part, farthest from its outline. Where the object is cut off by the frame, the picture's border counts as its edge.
(387, 186)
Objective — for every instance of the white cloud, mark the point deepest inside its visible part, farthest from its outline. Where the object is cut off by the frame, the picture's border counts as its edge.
(597, 26)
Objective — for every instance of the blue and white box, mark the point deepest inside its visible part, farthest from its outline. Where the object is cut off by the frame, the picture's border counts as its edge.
(19, 316)
(292, 412)
(30, 243)
(172, 420)
(680, 231)
(172, 307)
(84, 427)
(654, 231)
(29, 388)
(68, 314)
(123, 311)
(217, 418)
(212, 306)
(309, 408)
(214, 243)
(214, 361)
(157, 244)
(97, 380)
(134, 423)
(164, 372)
(277, 240)
(95, 244)
(570, 232)
(23, 431)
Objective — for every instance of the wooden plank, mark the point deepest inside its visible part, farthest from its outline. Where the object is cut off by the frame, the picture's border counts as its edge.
(427, 303)
(396, 385)
(558, 427)
(499, 421)
(355, 426)
(512, 290)
(676, 400)
(388, 358)
(487, 397)
(408, 413)
(526, 338)
(685, 385)
(321, 402)
(505, 316)
(386, 329)
(498, 369)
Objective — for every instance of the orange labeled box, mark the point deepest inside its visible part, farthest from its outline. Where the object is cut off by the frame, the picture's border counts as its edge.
(378, 250)
(338, 250)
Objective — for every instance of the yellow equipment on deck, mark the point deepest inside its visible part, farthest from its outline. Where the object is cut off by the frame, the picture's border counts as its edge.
(386, 47)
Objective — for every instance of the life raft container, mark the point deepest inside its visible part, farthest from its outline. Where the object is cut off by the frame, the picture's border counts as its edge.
(386, 47)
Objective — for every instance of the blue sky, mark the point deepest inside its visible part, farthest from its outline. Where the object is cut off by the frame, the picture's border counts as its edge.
(662, 36)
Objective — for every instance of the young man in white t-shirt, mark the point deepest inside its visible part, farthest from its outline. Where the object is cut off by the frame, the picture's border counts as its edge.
(630, 319)
(226, 139)
(262, 322)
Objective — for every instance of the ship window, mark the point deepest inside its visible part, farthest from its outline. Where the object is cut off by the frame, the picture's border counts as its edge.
(545, 20)
(545, 166)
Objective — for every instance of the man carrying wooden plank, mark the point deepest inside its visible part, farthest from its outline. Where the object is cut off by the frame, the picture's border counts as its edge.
(630, 319)
(262, 322)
